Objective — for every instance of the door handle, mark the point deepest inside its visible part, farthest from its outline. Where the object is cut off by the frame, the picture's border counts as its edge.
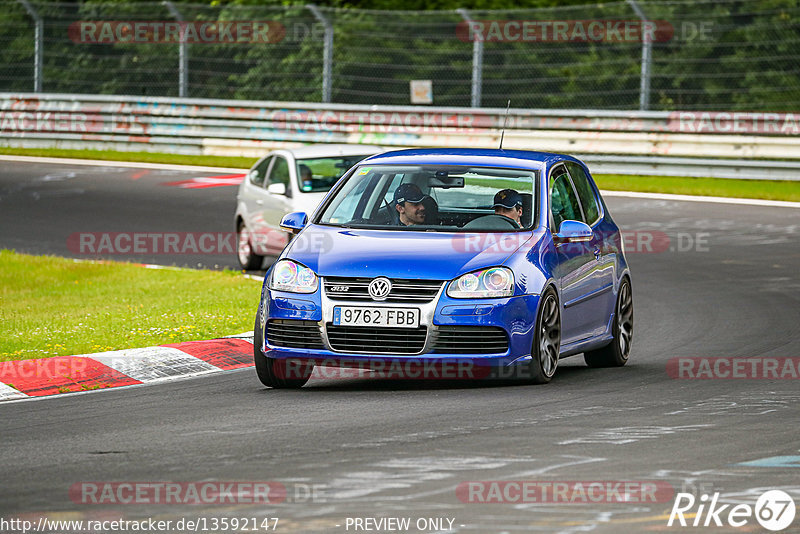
(259, 202)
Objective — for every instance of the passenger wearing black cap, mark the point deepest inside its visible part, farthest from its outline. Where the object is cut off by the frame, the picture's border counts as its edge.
(508, 203)
(408, 203)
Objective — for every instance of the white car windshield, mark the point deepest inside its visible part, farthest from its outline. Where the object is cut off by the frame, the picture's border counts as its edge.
(319, 174)
(431, 198)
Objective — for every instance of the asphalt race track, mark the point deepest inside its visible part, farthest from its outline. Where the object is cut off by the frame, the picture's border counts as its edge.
(46, 208)
(726, 284)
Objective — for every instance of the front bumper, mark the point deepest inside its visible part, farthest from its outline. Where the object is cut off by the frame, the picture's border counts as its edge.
(516, 317)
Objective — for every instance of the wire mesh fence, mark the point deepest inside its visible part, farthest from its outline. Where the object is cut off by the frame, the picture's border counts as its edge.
(709, 55)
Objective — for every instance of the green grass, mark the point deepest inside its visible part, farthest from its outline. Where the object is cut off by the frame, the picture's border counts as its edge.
(53, 306)
(716, 187)
(146, 157)
(719, 187)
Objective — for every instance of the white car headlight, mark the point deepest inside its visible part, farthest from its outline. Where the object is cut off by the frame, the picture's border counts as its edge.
(294, 278)
(492, 282)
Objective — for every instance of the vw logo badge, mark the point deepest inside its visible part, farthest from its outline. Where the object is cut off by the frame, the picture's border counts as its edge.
(379, 288)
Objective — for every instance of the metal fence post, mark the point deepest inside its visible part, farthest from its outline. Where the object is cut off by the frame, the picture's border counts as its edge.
(183, 53)
(38, 49)
(327, 53)
(477, 60)
(647, 57)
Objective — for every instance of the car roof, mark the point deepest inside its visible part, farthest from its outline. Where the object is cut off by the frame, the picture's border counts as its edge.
(333, 149)
(520, 159)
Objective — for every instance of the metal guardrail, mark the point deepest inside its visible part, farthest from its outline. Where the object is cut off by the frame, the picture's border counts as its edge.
(248, 128)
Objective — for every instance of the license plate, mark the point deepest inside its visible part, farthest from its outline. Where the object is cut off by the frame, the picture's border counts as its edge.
(386, 317)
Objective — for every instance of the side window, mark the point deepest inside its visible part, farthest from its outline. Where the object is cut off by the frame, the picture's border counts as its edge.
(280, 174)
(585, 193)
(563, 202)
(259, 172)
(395, 183)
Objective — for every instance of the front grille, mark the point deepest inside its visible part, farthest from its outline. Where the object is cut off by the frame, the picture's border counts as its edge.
(377, 340)
(403, 290)
(470, 340)
(294, 334)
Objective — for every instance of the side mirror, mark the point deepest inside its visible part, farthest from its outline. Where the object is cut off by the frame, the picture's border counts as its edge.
(574, 231)
(294, 222)
(277, 189)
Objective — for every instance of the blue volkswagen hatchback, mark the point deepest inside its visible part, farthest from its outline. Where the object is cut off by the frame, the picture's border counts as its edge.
(491, 262)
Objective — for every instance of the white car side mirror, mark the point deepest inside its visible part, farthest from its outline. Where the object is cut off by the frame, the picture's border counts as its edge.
(277, 189)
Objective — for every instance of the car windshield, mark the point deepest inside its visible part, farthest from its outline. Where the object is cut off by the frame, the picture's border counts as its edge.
(435, 198)
(319, 174)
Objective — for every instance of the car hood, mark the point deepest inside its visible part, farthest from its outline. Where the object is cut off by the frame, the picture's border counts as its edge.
(332, 251)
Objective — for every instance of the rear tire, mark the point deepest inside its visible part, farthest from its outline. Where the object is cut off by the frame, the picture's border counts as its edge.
(248, 260)
(275, 373)
(546, 340)
(616, 353)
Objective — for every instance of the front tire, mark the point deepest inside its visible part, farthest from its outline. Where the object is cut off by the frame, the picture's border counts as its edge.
(248, 260)
(616, 353)
(547, 340)
(275, 373)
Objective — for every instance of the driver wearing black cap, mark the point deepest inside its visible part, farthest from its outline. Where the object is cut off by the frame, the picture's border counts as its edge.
(508, 203)
(408, 201)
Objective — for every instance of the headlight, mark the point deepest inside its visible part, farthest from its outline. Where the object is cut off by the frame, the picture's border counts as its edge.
(293, 277)
(492, 282)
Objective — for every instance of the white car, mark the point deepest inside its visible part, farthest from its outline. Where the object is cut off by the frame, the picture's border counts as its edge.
(282, 182)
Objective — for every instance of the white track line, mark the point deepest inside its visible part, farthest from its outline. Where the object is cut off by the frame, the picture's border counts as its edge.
(247, 336)
(7, 392)
(154, 363)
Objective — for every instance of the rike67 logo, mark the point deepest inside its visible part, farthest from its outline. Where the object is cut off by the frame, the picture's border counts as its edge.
(774, 510)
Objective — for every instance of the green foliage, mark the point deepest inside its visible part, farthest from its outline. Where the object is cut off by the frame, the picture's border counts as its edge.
(733, 55)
